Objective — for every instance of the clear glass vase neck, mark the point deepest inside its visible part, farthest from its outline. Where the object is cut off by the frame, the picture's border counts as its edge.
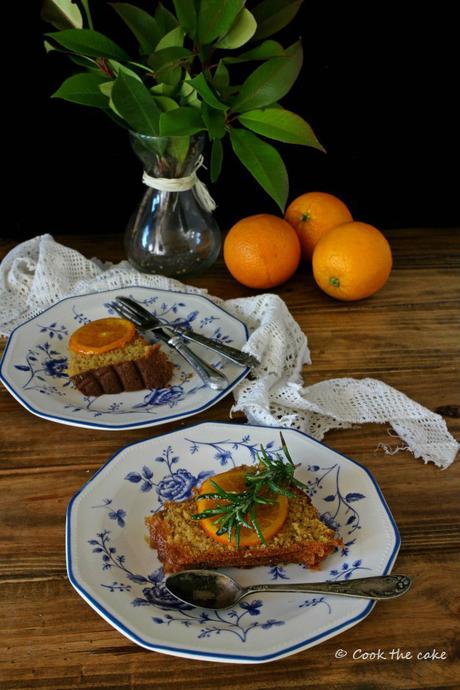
(168, 157)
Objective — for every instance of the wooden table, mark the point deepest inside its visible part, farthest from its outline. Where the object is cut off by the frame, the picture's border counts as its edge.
(408, 336)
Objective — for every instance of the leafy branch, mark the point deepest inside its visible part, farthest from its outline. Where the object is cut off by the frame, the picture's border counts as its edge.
(238, 509)
(180, 82)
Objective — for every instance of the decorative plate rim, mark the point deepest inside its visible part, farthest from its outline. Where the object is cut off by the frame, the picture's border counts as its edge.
(119, 427)
(219, 656)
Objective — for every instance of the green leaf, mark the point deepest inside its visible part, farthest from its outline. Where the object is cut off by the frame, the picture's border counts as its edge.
(134, 103)
(166, 63)
(106, 88)
(178, 148)
(221, 78)
(165, 19)
(183, 121)
(167, 58)
(175, 37)
(214, 121)
(230, 90)
(88, 42)
(273, 15)
(112, 109)
(264, 51)
(216, 17)
(117, 67)
(186, 14)
(282, 125)
(83, 89)
(80, 60)
(166, 104)
(217, 154)
(48, 47)
(263, 162)
(271, 81)
(62, 14)
(141, 23)
(188, 93)
(163, 89)
(89, 64)
(242, 29)
(89, 19)
(200, 84)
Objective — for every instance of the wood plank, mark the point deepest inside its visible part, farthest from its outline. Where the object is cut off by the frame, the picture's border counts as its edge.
(89, 654)
(407, 336)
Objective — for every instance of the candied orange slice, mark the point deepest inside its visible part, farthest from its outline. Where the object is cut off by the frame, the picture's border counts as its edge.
(270, 517)
(102, 335)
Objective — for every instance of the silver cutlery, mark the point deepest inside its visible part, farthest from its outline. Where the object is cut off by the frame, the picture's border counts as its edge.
(211, 377)
(236, 356)
(211, 589)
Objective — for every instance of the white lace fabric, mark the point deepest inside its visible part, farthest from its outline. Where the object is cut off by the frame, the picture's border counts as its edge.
(40, 272)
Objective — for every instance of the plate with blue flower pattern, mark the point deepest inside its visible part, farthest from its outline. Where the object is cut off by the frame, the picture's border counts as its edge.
(113, 568)
(34, 363)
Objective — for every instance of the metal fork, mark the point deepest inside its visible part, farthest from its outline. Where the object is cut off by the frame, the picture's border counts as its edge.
(211, 377)
(236, 356)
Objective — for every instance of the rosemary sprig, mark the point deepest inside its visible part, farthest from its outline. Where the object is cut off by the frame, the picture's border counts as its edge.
(239, 509)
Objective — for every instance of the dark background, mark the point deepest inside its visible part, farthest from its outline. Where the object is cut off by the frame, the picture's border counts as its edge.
(379, 88)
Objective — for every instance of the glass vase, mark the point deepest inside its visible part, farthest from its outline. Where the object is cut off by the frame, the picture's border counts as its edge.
(171, 233)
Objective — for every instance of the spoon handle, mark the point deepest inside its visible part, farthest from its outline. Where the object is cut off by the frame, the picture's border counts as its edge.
(379, 587)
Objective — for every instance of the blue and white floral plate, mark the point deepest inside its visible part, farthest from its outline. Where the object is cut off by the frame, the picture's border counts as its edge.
(112, 567)
(34, 363)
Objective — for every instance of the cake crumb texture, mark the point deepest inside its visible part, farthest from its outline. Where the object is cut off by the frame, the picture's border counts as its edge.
(182, 544)
(135, 366)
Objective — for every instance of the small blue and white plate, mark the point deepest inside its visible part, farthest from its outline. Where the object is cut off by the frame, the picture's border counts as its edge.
(33, 367)
(112, 567)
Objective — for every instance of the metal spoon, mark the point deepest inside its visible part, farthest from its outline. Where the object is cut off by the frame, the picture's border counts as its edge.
(210, 589)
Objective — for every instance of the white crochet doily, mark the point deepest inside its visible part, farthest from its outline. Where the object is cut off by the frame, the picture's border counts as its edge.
(39, 272)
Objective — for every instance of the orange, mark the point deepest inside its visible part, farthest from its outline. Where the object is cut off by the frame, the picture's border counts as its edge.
(352, 261)
(262, 251)
(312, 215)
(102, 335)
(270, 517)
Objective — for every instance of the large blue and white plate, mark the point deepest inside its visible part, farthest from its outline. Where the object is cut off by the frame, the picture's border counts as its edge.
(112, 567)
(34, 363)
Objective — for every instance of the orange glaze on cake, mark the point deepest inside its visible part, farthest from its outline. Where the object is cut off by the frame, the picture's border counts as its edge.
(270, 517)
(102, 335)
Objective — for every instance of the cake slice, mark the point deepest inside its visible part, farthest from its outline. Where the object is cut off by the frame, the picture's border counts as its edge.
(182, 543)
(109, 356)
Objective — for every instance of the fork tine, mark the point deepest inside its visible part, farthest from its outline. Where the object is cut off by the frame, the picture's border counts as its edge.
(128, 309)
(126, 314)
(134, 306)
(118, 308)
